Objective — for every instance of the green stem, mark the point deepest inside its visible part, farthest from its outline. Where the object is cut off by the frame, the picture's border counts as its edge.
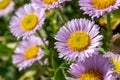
(109, 31)
(45, 45)
(61, 16)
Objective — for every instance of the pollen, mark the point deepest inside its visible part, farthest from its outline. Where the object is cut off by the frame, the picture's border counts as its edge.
(49, 2)
(78, 41)
(116, 63)
(103, 4)
(4, 4)
(31, 52)
(91, 74)
(29, 22)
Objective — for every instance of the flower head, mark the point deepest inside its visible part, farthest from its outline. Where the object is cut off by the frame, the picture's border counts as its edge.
(27, 20)
(115, 59)
(93, 68)
(97, 8)
(6, 6)
(49, 4)
(27, 52)
(115, 43)
(79, 40)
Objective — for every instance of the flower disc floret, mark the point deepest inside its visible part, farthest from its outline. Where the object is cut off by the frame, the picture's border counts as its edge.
(29, 22)
(4, 4)
(103, 4)
(79, 41)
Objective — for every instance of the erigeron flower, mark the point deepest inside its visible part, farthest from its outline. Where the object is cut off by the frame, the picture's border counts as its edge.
(49, 4)
(96, 67)
(80, 39)
(96, 8)
(28, 51)
(115, 59)
(6, 7)
(27, 20)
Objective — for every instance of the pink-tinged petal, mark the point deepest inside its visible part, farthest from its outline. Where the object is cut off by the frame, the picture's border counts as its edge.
(72, 26)
(15, 22)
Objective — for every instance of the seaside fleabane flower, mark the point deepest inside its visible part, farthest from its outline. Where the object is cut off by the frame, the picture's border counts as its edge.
(6, 7)
(115, 59)
(96, 8)
(28, 51)
(115, 43)
(49, 4)
(96, 67)
(79, 39)
(27, 20)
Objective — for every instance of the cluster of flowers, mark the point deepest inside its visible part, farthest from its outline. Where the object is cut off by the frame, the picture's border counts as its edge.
(78, 41)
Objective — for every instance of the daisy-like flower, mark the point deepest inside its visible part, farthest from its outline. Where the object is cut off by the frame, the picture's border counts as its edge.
(49, 4)
(115, 43)
(79, 39)
(27, 20)
(96, 8)
(93, 68)
(27, 52)
(115, 59)
(6, 6)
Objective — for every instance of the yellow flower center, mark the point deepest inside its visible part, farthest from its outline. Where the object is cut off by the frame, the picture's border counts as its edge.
(4, 4)
(29, 22)
(31, 52)
(78, 41)
(103, 4)
(116, 41)
(91, 74)
(49, 2)
(116, 63)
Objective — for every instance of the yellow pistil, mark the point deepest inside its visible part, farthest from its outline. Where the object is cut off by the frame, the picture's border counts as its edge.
(103, 4)
(29, 22)
(116, 63)
(91, 74)
(4, 4)
(78, 41)
(31, 52)
(49, 2)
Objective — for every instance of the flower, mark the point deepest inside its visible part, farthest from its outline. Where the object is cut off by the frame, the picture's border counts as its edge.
(6, 7)
(115, 59)
(79, 39)
(27, 20)
(96, 67)
(27, 52)
(115, 43)
(96, 8)
(49, 4)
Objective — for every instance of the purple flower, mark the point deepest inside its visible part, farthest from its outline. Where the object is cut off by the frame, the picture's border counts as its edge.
(27, 20)
(93, 68)
(49, 4)
(6, 7)
(27, 52)
(115, 59)
(96, 8)
(79, 39)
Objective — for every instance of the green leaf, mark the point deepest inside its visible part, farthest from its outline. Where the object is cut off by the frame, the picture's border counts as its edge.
(59, 75)
(54, 63)
(4, 50)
